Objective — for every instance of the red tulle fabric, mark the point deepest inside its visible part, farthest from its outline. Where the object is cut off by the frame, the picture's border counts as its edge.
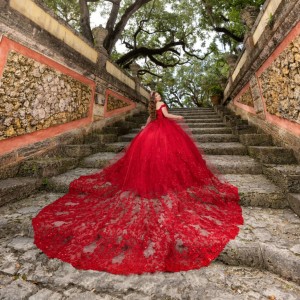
(157, 208)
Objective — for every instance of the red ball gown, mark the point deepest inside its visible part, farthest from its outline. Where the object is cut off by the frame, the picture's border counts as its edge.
(157, 208)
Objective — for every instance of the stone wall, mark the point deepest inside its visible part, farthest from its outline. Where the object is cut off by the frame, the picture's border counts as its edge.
(264, 86)
(54, 83)
(35, 96)
(280, 83)
(246, 98)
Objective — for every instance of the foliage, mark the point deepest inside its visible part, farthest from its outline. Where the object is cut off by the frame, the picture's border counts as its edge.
(193, 85)
(69, 10)
(179, 44)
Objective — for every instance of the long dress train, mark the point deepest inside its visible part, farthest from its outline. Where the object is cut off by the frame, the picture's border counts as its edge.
(158, 208)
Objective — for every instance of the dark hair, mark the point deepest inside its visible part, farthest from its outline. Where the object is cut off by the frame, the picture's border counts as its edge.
(152, 106)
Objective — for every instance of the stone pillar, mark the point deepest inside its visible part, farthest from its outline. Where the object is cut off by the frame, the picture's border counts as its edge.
(134, 68)
(257, 98)
(100, 34)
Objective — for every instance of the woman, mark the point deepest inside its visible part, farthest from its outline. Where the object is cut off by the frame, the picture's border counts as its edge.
(158, 208)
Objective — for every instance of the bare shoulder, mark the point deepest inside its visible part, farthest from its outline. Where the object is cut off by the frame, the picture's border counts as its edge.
(159, 104)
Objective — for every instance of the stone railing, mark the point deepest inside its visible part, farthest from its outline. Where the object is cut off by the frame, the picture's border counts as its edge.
(264, 85)
(53, 81)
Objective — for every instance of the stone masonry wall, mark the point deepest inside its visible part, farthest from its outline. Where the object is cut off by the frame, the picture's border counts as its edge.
(280, 84)
(34, 96)
(246, 98)
(270, 66)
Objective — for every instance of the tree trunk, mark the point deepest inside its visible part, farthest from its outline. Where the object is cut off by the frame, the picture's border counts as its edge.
(85, 21)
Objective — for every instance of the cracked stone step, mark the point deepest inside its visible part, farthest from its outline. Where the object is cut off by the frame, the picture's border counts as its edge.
(14, 189)
(223, 148)
(206, 138)
(210, 125)
(285, 176)
(61, 182)
(97, 160)
(261, 259)
(257, 190)
(48, 167)
(233, 164)
(272, 154)
(270, 240)
(294, 201)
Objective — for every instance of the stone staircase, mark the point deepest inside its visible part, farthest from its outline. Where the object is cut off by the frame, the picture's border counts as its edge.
(263, 262)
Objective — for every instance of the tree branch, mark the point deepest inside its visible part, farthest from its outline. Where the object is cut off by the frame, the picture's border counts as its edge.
(229, 33)
(144, 71)
(114, 32)
(143, 51)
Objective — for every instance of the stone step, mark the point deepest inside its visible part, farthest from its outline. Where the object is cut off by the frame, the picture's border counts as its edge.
(102, 138)
(114, 147)
(97, 160)
(257, 190)
(81, 150)
(126, 124)
(48, 167)
(217, 130)
(294, 202)
(127, 137)
(198, 137)
(136, 119)
(201, 117)
(272, 154)
(285, 176)
(269, 239)
(212, 125)
(223, 148)
(206, 138)
(60, 183)
(204, 128)
(233, 164)
(191, 112)
(204, 121)
(244, 129)
(256, 139)
(14, 189)
(115, 130)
